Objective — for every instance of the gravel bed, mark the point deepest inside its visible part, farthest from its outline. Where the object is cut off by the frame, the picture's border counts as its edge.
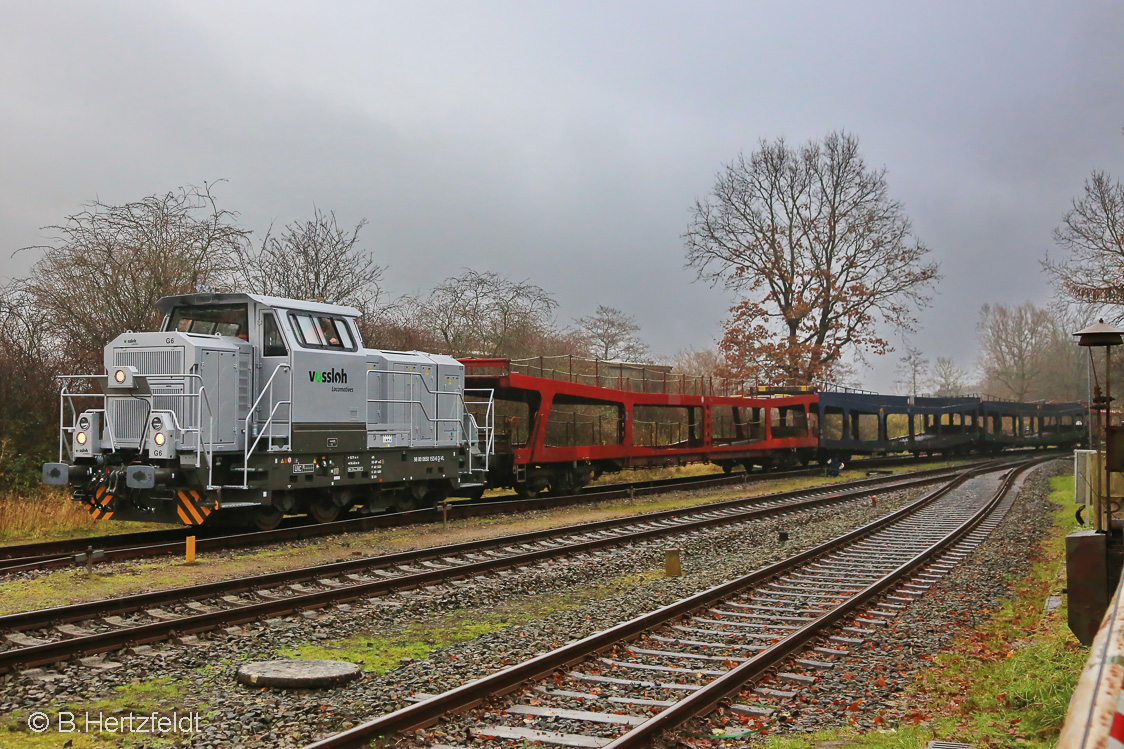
(203, 670)
(864, 690)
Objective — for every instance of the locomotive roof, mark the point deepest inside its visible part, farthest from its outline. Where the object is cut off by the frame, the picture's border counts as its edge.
(165, 305)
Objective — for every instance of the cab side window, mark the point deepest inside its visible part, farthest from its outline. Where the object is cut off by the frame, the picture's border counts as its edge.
(272, 342)
(320, 331)
(335, 332)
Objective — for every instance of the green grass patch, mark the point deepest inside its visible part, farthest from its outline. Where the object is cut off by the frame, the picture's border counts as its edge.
(1006, 684)
(59, 588)
(380, 654)
(158, 695)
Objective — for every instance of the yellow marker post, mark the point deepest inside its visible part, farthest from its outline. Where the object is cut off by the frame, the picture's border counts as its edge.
(190, 549)
(672, 566)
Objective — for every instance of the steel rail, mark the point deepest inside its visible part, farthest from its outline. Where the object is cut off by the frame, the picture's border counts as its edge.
(473, 693)
(51, 652)
(706, 698)
(144, 544)
(827, 494)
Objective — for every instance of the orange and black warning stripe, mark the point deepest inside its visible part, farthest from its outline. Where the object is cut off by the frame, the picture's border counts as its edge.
(192, 508)
(99, 505)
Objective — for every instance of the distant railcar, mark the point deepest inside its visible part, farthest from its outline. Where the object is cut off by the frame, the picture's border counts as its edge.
(870, 424)
(560, 426)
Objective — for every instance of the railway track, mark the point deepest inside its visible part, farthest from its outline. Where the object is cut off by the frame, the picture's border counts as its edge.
(627, 685)
(50, 635)
(148, 544)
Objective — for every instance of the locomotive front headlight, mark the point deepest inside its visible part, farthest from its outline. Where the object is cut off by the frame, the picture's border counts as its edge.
(84, 423)
(81, 438)
(159, 438)
(157, 424)
(119, 375)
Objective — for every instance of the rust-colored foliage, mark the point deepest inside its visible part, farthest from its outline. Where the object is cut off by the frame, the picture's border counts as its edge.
(819, 252)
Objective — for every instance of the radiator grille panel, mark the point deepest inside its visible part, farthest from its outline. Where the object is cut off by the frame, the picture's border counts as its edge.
(128, 414)
(164, 361)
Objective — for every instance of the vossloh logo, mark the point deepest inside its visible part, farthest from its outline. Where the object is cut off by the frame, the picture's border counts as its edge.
(332, 376)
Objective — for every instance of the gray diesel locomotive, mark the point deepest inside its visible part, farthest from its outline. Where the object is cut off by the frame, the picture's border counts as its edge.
(254, 407)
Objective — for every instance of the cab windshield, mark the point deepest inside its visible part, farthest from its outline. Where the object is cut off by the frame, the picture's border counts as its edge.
(214, 319)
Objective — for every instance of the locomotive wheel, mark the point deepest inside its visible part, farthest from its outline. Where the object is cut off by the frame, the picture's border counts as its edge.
(267, 518)
(476, 494)
(404, 504)
(323, 510)
(437, 494)
(525, 492)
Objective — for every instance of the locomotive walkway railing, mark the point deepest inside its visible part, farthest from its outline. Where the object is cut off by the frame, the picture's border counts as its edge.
(196, 401)
(265, 428)
(1096, 710)
(485, 433)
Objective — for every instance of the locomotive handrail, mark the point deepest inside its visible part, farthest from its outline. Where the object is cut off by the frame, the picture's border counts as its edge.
(210, 434)
(489, 427)
(436, 393)
(264, 428)
(67, 397)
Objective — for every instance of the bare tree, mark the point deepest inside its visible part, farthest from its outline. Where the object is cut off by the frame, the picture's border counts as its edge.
(488, 314)
(707, 362)
(1013, 348)
(1091, 271)
(911, 367)
(819, 252)
(612, 335)
(398, 326)
(315, 259)
(109, 264)
(948, 379)
(1065, 375)
(29, 366)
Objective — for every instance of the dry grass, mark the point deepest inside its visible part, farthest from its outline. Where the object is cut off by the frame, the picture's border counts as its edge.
(46, 514)
(28, 516)
(657, 474)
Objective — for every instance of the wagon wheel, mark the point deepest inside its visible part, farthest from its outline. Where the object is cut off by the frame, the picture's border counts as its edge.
(266, 518)
(323, 510)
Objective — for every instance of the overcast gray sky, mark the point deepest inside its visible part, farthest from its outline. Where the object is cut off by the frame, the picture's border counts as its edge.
(565, 142)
